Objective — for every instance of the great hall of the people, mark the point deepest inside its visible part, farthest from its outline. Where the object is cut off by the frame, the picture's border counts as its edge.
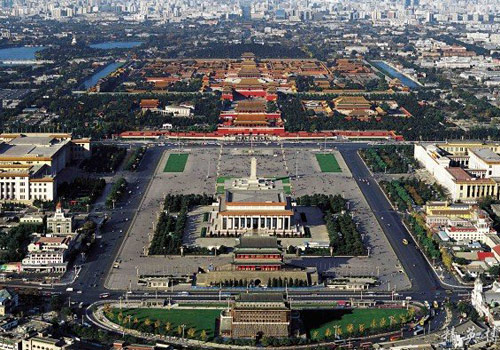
(30, 164)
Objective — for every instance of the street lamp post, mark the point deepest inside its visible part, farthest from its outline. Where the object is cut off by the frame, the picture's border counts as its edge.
(336, 327)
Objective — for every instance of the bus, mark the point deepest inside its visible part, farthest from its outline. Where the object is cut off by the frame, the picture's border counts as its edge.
(418, 330)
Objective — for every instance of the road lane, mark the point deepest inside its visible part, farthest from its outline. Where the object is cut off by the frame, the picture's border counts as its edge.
(420, 273)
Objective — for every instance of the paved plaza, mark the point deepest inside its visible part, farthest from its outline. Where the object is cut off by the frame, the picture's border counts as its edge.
(382, 262)
(200, 175)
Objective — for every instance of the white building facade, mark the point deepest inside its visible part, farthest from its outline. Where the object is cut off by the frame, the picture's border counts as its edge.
(30, 163)
(469, 174)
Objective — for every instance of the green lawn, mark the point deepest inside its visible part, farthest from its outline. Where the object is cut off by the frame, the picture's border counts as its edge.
(199, 319)
(328, 163)
(220, 189)
(320, 320)
(287, 190)
(176, 163)
(205, 319)
(222, 179)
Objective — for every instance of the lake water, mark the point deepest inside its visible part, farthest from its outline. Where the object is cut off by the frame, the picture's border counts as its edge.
(116, 45)
(395, 74)
(104, 72)
(23, 53)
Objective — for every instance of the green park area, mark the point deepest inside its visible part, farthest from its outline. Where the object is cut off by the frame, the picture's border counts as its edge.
(221, 180)
(328, 163)
(323, 323)
(176, 163)
(199, 323)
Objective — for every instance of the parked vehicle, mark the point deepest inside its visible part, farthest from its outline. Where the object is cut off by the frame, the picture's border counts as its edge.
(418, 330)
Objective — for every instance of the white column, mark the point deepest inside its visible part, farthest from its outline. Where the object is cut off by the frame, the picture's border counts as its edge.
(253, 168)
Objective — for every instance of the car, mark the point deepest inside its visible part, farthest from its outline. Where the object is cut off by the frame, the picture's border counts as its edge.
(405, 241)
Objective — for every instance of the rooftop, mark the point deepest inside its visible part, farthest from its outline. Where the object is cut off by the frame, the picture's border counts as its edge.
(53, 240)
(459, 174)
(31, 146)
(245, 196)
(261, 297)
(486, 155)
(464, 328)
(258, 242)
